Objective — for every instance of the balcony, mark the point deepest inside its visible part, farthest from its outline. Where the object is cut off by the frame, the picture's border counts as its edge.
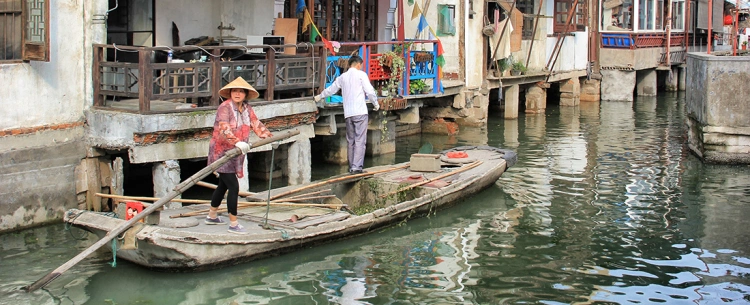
(640, 40)
(140, 80)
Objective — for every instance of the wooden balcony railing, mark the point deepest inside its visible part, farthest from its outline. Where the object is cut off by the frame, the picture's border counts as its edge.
(123, 72)
(126, 73)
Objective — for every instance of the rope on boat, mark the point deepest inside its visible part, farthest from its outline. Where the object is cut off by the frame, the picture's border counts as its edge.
(69, 225)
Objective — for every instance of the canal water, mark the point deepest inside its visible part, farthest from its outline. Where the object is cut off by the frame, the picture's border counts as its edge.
(606, 205)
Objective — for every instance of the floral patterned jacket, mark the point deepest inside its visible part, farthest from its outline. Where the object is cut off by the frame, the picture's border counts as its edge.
(232, 126)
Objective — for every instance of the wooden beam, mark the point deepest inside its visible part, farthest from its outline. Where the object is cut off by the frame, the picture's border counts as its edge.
(145, 81)
(270, 73)
(96, 75)
(215, 78)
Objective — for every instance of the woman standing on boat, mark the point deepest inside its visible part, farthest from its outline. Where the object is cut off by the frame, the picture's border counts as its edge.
(234, 120)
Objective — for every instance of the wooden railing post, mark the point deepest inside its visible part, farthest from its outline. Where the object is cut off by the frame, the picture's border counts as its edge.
(215, 77)
(96, 76)
(145, 80)
(323, 68)
(270, 73)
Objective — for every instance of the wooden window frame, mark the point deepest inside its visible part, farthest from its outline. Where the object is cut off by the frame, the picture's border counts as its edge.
(32, 50)
(577, 24)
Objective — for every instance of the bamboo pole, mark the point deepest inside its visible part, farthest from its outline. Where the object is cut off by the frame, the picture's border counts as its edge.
(308, 194)
(213, 186)
(460, 170)
(308, 198)
(171, 195)
(260, 204)
(339, 179)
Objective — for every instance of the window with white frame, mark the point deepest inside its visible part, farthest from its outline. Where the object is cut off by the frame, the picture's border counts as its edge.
(678, 15)
(617, 15)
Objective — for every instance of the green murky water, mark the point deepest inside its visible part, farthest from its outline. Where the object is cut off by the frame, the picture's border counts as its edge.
(606, 205)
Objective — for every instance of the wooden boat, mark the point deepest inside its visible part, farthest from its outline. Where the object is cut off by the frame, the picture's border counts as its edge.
(379, 197)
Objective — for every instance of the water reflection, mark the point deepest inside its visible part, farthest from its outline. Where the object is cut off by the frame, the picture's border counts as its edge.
(605, 205)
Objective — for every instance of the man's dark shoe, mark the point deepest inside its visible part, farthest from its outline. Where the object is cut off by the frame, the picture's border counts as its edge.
(356, 171)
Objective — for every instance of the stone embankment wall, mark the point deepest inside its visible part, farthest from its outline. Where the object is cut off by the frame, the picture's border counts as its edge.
(718, 107)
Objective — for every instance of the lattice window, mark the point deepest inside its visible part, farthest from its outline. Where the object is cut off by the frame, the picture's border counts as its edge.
(527, 7)
(577, 23)
(23, 30)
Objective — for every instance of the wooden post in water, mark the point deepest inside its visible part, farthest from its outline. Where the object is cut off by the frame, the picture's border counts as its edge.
(176, 191)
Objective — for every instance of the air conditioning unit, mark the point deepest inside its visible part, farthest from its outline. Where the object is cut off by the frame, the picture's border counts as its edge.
(264, 40)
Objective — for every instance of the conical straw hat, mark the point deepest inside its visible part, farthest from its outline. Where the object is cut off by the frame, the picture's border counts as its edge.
(239, 82)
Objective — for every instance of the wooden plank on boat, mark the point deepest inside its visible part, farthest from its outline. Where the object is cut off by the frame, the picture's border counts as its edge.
(338, 179)
(313, 221)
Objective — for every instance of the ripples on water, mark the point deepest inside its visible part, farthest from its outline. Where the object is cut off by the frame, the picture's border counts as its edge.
(605, 205)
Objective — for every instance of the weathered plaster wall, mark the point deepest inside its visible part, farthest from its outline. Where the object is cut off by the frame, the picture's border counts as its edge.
(191, 24)
(473, 48)
(717, 108)
(249, 17)
(41, 121)
(450, 42)
(43, 93)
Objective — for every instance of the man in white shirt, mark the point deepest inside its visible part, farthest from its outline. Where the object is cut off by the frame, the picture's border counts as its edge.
(355, 86)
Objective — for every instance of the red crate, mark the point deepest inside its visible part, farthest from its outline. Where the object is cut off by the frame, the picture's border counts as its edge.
(378, 72)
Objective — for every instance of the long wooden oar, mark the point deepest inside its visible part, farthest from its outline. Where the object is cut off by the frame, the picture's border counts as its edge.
(462, 169)
(176, 191)
(338, 179)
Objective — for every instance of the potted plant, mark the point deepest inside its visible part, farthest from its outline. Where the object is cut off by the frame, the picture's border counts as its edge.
(503, 65)
(392, 62)
(744, 45)
(517, 69)
(417, 86)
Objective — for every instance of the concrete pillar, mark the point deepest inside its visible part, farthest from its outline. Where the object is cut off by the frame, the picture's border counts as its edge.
(298, 165)
(617, 85)
(510, 95)
(671, 80)
(118, 177)
(245, 181)
(591, 90)
(570, 92)
(681, 79)
(536, 99)
(381, 136)
(259, 164)
(166, 176)
(334, 148)
(645, 83)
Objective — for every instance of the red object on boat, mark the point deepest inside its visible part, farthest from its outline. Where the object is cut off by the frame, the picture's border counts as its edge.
(457, 154)
(132, 208)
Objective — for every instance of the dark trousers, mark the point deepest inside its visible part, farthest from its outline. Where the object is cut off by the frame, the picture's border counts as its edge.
(356, 137)
(227, 182)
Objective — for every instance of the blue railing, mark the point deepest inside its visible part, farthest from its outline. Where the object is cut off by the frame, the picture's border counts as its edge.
(419, 68)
